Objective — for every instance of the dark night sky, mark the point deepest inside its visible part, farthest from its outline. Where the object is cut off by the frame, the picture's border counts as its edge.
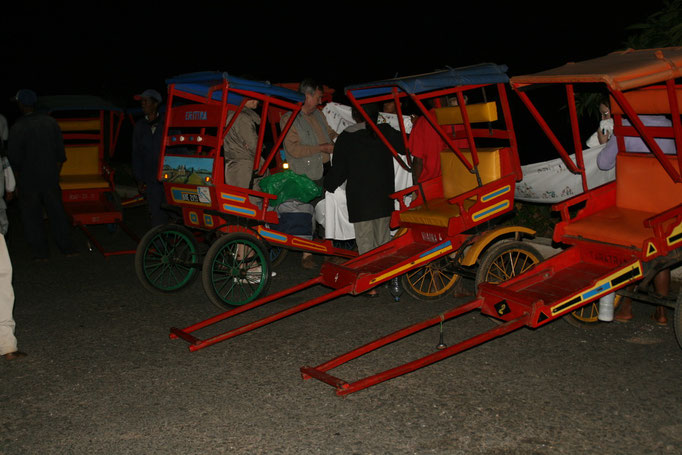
(123, 50)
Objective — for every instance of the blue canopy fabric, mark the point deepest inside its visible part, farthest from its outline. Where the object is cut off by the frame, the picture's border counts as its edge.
(485, 73)
(200, 84)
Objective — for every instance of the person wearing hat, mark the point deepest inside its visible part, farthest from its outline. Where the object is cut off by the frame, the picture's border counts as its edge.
(36, 154)
(147, 137)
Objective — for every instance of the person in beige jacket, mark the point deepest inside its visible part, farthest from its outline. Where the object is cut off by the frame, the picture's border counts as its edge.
(309, 143)
(239, 146)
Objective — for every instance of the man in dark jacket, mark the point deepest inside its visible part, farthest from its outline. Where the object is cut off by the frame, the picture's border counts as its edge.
(364, 162)
(36, 153)
(147, 137)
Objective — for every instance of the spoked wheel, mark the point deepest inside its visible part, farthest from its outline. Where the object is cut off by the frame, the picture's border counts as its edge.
(236, 270)
(588, 315)
(505, 261)
(277, 255)
(433, 281)
(167, 258)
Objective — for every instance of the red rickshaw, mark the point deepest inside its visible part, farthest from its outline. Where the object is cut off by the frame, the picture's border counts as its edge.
(224, 232)
(619, 234)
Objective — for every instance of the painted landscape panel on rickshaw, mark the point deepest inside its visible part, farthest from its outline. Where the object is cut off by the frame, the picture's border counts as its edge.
(187, 170)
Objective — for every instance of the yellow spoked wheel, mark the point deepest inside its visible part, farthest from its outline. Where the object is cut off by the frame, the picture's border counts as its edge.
(433, 281)
(505, 261)
(588, 315)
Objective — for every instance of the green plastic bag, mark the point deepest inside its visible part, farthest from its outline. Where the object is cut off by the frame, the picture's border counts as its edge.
(288, 185)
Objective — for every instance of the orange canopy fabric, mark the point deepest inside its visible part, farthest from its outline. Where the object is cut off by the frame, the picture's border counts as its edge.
(623, 70)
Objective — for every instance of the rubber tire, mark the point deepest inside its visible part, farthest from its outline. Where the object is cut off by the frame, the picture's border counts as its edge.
(240, 291)
(188, 252)
(495, 254)
(422, 283)
(277, 255)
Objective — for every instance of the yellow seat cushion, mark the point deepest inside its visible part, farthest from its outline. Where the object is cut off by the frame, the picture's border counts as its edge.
(479, 112)
(456, 180)
(436, 213)
(82, 160)
(82, 168)
(84, 124)
(456, 177)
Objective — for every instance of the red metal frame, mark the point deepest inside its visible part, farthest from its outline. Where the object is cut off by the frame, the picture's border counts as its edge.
(228, 200)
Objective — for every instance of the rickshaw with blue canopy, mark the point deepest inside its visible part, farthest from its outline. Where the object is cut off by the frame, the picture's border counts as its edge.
(226, 233)
(617, 236)
(445, 227)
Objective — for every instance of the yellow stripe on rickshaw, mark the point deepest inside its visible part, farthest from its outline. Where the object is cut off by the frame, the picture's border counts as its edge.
(676, 235)
(497, 193)
(601, 288)
(425, 257)
(490, 211)
(301, 243)
(651, 249)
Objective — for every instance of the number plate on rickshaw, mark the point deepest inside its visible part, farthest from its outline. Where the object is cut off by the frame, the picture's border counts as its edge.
(202, 196)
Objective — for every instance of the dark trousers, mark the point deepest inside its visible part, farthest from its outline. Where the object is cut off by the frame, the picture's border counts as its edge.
(155, 198)
(31, 203)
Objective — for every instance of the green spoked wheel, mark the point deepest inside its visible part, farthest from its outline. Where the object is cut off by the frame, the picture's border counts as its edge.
(236, 270)
(167, 258)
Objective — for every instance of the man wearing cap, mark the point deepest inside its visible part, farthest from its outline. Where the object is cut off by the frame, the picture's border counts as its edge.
(147, 137)
(36, 153)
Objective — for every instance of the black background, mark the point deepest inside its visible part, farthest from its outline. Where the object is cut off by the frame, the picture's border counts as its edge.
(117, 50)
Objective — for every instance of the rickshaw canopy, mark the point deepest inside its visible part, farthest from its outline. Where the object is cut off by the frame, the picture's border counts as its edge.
(623, 70)
(623, 73)
(485, 73)
(204, 84)
(430, 85)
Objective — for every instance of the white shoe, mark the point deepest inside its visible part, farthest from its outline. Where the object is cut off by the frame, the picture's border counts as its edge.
(256, 278)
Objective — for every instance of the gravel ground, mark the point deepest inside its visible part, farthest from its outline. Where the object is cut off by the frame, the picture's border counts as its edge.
(103, 377)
